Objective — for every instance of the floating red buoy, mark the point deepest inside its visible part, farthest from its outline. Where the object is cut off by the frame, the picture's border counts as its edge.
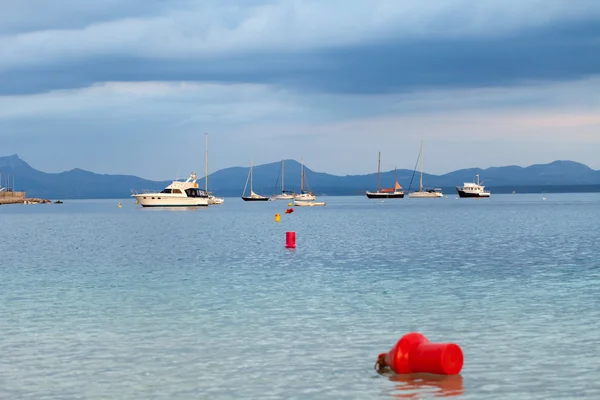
(290, 240)
(289, 211)
(414, 353)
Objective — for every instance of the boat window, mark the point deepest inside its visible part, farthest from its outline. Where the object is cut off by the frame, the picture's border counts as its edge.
(176, 191)
(166, 191)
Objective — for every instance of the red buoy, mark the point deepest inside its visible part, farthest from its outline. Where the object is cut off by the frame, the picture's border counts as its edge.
(414, 353)
(290, 240)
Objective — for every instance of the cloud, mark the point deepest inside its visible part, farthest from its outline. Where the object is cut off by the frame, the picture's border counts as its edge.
(164, 121)
(336, 46)
(130, 86)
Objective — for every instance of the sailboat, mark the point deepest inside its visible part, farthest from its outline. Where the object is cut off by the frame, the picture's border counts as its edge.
(424, 193)
(211, 199)
(253, 196)
(303, 195)
(305, 198)
(285, 195)
(395, 193)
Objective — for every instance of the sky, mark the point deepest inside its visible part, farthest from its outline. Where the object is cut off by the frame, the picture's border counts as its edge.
(132, 86)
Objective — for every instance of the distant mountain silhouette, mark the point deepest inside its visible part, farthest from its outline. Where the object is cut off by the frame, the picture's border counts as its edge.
(558, 176)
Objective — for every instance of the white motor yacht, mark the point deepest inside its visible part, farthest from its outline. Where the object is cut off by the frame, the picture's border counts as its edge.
(471, 189)
(177, 194)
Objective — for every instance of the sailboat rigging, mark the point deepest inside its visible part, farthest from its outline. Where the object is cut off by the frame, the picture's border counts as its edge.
(285, 194)
(253, 196)
(386, 193)
(423, 193)
(304, 194)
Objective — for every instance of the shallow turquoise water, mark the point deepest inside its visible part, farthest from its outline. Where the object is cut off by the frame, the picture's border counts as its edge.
(101, 302)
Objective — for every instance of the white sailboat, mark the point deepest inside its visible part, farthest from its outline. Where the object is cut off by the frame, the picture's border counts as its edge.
(285, 195)
(253, 196)
(211, 198)
(306, 198)
(423, 193)
(303, 195)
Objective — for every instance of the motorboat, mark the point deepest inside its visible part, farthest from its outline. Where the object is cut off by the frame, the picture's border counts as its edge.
(177, 194)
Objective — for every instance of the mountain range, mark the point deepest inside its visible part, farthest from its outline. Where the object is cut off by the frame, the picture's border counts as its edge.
(557, 176)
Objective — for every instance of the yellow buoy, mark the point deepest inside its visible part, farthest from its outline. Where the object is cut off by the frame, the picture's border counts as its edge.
(119, 204)
(289, 204)
(277, 217)
(137, 202)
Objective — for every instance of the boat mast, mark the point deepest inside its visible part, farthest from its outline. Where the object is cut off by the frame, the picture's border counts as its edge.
(378, 171)
(282, 174)
(206, 166)
(421, 182)
(251, 163)
(301, 175)
(247, 178)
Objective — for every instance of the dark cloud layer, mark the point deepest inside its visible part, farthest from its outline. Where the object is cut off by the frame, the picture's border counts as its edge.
(558, 52)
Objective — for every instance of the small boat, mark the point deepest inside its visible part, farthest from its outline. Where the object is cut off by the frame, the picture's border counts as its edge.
(58, 202)
(423, 193)
(386, 193)
(471, 189)
(177, 194)
(215, 200)
(253, 196)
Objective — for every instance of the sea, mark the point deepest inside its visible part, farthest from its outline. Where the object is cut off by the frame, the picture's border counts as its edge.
(99, 301)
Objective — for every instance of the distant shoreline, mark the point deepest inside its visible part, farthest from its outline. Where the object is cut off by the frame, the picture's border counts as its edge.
(573, 189)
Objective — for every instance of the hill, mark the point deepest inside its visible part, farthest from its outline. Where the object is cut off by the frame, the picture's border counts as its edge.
(558, 176)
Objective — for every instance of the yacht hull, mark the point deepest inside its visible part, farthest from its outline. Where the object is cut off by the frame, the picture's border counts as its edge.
(159, 200)
(309, 203)
(245, 198)
(382, 195)
(462, 193)
(283, 197)
(305, 197)
(425, 195)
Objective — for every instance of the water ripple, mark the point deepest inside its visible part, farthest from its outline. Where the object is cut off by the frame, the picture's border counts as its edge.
(101, 302)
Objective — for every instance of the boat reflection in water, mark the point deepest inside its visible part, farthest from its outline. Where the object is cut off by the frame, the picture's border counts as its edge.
(426, 385)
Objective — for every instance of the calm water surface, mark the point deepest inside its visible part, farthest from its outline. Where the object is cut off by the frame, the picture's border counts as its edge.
(98, 301)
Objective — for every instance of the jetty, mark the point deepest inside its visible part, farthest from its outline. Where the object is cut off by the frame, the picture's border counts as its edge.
(10, 197)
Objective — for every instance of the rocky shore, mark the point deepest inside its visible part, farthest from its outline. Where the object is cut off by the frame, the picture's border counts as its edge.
(14, 200)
